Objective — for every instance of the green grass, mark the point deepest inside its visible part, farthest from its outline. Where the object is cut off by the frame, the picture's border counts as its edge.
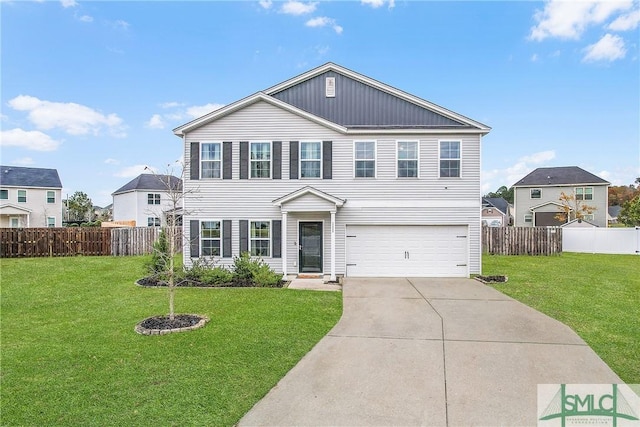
(70, 355)
(598, 296)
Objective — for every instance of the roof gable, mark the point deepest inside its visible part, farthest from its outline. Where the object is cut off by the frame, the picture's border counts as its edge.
(499, 203)
(149, 181)
(305, 191)
(16, 176)
(565, 175)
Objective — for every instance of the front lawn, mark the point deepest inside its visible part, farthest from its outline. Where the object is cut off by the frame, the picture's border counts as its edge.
(70, 355)
(598, 296)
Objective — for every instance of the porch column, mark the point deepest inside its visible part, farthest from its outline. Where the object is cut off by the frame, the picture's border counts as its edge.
(284, 244)
(333, 247)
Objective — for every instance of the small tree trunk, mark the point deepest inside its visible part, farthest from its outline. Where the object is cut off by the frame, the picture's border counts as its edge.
(172, 284)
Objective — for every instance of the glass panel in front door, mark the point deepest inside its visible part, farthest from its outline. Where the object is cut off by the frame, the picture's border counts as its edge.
(311, 247)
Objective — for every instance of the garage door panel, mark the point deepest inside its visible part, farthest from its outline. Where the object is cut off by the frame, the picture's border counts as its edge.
(406, 251)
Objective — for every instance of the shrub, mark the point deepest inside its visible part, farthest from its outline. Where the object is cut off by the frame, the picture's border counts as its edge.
(254, 271)
(160, 257)
(206, 272)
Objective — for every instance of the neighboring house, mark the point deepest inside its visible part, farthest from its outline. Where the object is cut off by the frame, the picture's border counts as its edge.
(613, 213)
(30, 197)
(146, 199)
(496, 212)
(578, 223)
(537, 196)
(334, 173)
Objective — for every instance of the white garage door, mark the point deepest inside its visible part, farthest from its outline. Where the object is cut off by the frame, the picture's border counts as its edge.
(407, 251)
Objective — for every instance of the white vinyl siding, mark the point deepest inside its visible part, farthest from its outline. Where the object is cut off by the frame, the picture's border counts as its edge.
(384, 200)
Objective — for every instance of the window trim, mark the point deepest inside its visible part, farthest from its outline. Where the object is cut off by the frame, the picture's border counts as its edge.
(219, 143)
(375, 158)
(49, 225)
(153, 198)
(300, 160)
(531, 190)
(417, 159)
(270, 159)
(530, 216)
(584, 193)
(156, 221)
(4, 191)
(202, 239)
(459, 159)
(25, 196)
(252, 239)
(49, 199)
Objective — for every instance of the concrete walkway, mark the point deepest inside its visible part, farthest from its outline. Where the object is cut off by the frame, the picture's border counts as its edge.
(443, 352)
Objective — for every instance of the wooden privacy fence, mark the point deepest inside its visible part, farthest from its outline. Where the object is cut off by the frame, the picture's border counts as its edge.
(522, 240)
(71, 241)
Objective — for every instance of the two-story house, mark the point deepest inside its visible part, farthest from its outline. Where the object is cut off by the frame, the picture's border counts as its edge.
(147, 199)
(496, 212)
(30, 197)
(537, 196)
(332, 172)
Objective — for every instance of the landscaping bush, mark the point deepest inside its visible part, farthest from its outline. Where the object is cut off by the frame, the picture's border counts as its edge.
(160, 257)
(205, 271)
(254, 272)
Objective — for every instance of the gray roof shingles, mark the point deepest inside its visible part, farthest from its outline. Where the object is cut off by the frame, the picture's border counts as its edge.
(18, 176)
(564, 175)
(149, 181)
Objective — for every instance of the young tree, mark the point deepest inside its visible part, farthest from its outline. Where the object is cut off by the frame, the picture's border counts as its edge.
(80, 207)
(630, 213)
(572, 208)
(504, 192)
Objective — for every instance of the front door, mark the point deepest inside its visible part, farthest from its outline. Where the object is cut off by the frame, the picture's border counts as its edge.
(310, 254)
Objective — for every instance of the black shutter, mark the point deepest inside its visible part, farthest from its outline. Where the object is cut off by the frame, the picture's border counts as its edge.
(227, 159)
(194, 238)
(244, 236)
(226, 238)
(327, 155)
(244, 159)
(276, 239)
(194, 161)
(277, 159)
(293, 160)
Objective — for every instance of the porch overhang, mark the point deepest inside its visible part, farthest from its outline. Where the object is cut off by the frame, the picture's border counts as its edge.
(10, 209)
(309, 199)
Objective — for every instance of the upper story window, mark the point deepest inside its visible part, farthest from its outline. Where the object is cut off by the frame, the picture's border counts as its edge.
(153, 199)
(584, 193)
(210, 232)
(310, 159)
(260, 235)
(407, 155)
(153, 221)
(535, 193)
(4, 194)
(211, 159)
(51, 196)
(51, 221)
(22, 196)
(260, 159)
(364, 159)
(449, 159)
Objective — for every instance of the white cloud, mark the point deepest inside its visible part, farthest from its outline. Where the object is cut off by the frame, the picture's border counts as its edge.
(627, 22)
(25, 161)
(30, 140)
(266, 4)
(323, 21)
(68, 3)
(121, 25)
(495, 178)
(569, 19)
(200, 110)
(534, 57)
(378, 3)
(155, 122)
(133, 171)
(539, 157)
(293, 7)
(172, 104)
(74, 119)
(84, 18)
(608, 48)
(111, 162)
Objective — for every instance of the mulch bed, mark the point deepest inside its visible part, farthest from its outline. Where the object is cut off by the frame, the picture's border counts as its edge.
(492, 279)
(187, 283)
(161, 325)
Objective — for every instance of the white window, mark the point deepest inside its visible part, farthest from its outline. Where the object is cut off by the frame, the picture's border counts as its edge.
(364, 159)
(211, 159)
(310, 159)
(584, 193)
(51, 221)
(587, 217)
(14, 222)
(210, 232)
(4, 194)
(51, 196)
(153, 221)
(536, 193)
(528, 218)
(449, 159)
(260, 159)
(407, 159)
(22, 196)
(153, 199)
(260, 236)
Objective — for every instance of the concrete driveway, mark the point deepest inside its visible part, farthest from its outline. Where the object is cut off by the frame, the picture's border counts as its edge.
(425, 351)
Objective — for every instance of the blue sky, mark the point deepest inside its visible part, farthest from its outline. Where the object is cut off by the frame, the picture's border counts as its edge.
(94, 89)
